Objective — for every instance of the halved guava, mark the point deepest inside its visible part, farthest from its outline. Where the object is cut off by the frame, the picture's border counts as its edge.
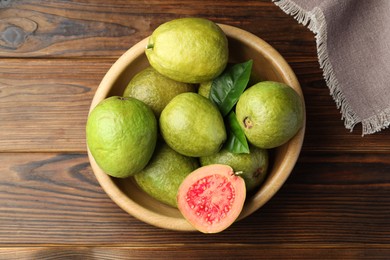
(211, 198)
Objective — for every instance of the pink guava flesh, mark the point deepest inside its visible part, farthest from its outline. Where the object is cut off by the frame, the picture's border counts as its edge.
(211, 198)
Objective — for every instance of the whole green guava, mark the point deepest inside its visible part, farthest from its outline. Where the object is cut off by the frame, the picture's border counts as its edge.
(154, 89)
(191, 50)
(252, 167)
(270, 113)
(121, 135)
(192, 125)
(164, 173)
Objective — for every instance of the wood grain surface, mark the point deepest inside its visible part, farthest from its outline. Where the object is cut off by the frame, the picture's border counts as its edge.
(53, 55)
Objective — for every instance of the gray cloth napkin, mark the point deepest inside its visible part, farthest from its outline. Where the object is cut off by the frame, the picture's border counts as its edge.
(353, 44)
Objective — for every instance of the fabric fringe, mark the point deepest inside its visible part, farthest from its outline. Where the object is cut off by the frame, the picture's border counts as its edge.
(315, 22)
(376, 123)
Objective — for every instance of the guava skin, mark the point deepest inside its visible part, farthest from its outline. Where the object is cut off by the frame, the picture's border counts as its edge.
(252, 167)
(154, 89)
(211, 198)
(164, 173)
(121, 135)
(205, 88)
(270, 113)
(192, 125)
(191, 50)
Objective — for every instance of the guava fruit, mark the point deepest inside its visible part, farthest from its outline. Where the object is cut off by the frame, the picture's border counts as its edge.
(121, 135)
(252, 167)
(205, 88)
(164, 173)
(270, 113)
(211, 198)
(154, 89)
(192, 125)
(191, 50)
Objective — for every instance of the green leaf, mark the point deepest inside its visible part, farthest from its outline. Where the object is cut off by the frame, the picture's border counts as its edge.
(227, 88)
(236, 142)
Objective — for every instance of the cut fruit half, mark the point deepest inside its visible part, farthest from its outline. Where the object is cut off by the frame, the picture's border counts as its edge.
(211, 197)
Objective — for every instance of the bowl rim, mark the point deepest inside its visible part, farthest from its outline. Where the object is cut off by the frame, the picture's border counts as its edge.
(262, 196)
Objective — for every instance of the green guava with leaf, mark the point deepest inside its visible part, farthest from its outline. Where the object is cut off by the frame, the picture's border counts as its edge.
(192, 125)
(270, 113)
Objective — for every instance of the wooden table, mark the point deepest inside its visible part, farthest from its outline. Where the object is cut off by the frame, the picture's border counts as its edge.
(335, 205)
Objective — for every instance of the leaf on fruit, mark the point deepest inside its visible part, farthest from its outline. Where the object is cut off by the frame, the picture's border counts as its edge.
(228, 87)
(236, 142)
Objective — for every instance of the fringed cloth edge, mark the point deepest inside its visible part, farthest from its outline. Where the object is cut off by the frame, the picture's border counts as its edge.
(315, 22)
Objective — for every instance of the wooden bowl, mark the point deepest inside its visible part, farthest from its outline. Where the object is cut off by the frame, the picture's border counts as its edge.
(268, 64)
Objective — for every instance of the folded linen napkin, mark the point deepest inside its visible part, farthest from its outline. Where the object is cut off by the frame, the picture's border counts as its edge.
(353, 45)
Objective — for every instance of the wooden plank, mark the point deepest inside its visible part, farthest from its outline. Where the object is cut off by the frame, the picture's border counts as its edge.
(228, 251)
(54, 199)
(98, 28)
(44, 103)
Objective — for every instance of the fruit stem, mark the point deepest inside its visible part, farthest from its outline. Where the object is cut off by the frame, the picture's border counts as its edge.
(150, 46)
(238, 173)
